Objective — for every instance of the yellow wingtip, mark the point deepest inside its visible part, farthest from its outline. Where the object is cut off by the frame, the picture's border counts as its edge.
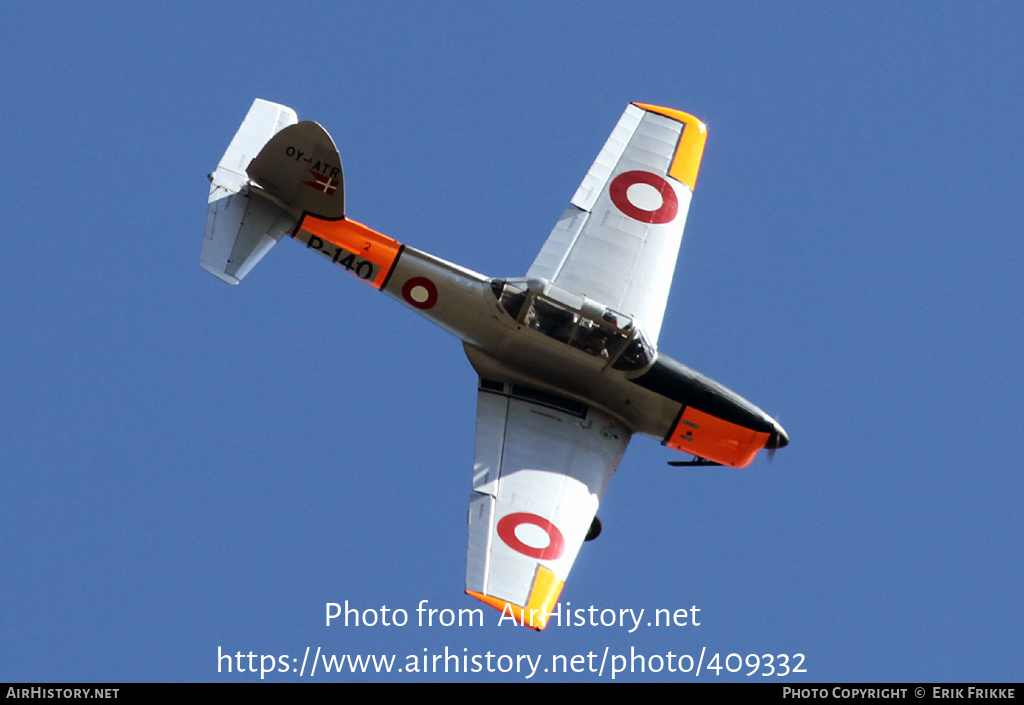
(690, 150)
(543, 598)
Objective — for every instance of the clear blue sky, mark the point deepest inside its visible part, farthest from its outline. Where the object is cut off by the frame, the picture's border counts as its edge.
(188, 466)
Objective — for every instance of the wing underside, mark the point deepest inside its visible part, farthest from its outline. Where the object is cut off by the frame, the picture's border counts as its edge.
(542, 465)
(618, 240)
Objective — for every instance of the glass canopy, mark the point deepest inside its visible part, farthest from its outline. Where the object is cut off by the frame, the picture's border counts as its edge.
(575, 321)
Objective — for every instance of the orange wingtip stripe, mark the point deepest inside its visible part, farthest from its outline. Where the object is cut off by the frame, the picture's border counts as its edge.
(686, 163)
(543, 599)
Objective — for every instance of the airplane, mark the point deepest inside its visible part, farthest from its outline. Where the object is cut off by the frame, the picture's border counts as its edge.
(567, 358)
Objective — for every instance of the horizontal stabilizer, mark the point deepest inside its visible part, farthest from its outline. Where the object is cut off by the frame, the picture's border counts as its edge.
(240, 230)
(242, 226)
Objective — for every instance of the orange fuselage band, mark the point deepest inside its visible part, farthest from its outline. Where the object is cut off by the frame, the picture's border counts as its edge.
(354, 238)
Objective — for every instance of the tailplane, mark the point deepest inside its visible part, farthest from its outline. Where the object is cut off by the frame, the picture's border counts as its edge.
(274, 170)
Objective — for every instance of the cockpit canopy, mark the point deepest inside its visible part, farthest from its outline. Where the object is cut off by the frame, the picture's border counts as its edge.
(575, 320)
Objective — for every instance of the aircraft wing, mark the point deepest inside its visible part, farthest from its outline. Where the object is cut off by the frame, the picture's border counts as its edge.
(618, 240)
(542, 464)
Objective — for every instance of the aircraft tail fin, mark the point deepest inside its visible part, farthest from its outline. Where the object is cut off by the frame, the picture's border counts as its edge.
(274, 170)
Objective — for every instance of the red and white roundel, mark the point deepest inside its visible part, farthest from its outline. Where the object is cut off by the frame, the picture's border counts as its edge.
(420, 292)
(534, 528)
(644, 196)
